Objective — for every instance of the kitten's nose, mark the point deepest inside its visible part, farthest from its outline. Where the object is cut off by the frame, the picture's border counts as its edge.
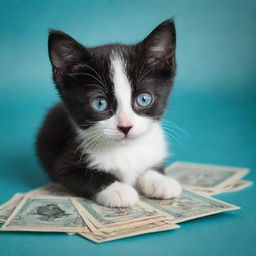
(124, 129)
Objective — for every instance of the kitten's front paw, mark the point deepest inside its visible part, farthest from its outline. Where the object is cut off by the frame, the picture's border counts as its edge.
(118, 195)
(156, 185)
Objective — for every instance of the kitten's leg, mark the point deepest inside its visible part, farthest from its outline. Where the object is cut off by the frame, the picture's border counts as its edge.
(94, 184)
(118, 195)
(156, 185)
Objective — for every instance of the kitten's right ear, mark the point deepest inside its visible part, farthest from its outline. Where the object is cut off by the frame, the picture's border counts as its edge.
(159, 46)
(64, 50)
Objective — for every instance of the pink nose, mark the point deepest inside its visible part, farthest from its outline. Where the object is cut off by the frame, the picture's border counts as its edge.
(124, 129)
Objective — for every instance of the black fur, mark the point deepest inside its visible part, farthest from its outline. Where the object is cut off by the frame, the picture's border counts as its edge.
(75, 69)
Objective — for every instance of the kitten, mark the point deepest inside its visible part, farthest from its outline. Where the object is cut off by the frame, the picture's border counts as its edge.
(105, 138)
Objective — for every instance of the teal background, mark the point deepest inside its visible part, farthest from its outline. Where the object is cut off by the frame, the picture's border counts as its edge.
(214, 100)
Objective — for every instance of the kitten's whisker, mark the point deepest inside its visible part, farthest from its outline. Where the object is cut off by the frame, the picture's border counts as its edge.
(84, 141)
(139, 74)
(101, 143)
(178, 128)
(90, 143)
(89, 135)
(89, 132)
(87, 66)
(171, 130)
(87, 74)
(171, 124)
(97, 143)
(112, 135)
(176, 139)
(153, 118)
(95, 85)
(111, 130)
(86, 135)
(88, 121)
(143, 75)
(174, 125)
(145, 71)
(96, 73)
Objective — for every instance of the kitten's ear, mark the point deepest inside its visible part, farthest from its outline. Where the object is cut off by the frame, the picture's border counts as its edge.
(64, 50)
(159, 46)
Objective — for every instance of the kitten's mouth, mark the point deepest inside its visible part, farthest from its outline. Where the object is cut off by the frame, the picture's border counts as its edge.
(129, 137)
(124, 138)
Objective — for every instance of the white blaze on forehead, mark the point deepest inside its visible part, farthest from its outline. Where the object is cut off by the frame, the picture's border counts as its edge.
(122, 87)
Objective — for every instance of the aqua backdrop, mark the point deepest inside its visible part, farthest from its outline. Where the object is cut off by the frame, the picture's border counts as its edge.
(214, 101)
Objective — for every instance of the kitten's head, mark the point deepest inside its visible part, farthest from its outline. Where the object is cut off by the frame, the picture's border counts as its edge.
(115, 91)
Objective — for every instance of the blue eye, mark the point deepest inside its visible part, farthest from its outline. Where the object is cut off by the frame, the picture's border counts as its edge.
(100, 104)
(144, 99)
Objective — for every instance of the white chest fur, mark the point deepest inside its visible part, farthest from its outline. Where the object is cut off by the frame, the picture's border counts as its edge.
(129, 160)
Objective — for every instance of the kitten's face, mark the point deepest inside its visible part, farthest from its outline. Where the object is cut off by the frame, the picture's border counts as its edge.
(115, 92)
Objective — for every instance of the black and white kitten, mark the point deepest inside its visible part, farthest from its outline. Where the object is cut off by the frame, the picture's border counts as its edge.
(105, 141)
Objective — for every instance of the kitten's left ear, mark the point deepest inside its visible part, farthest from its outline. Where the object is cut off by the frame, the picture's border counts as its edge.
(64, 50)
(159, 46)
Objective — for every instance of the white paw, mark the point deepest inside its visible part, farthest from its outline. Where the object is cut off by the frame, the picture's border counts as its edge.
(118, 195)
(156, 185)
